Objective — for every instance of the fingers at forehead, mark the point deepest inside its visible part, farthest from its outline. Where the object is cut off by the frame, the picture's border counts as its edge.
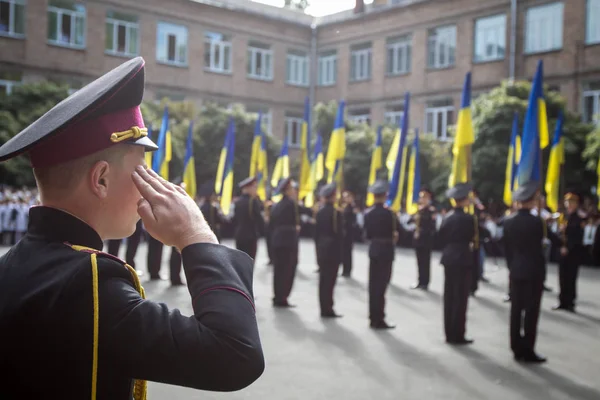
(166, 184)
(146, 189)
(180, 190)
(152, 179)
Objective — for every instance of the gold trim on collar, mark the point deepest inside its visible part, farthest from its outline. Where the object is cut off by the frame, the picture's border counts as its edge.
(134, 133)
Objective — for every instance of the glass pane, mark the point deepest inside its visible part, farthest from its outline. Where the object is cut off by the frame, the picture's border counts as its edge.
(408, 58)
(440, 124)
(353, 61)
(121, 38)
(249, 66)
(207, 52)
(258, 63)
(4, 17)
(52, 25)
(431, 54)
(267, 72)
(65, 33)
(108, 43)
(182, 53)
(429, 123)
(133, 40)
(390, 61)
(217, 56)
(171, 47)
(288, 69)
(227, 58)
(79, 30)
(588, 108)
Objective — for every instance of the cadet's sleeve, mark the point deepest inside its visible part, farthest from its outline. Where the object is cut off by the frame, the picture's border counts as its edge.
(340, 223)
(257, 211)
(507, 238)
(218, 348)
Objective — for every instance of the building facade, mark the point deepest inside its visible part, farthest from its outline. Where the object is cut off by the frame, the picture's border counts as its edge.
(270, 59)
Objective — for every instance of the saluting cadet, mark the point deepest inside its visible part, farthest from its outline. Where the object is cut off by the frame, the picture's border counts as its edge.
(247, 218)
(571, 228)
(349, 228)
(329, 233)
(74, 321)
(285, 228)
(423, 237)
(524, 241)
(382, 230)
(458, 235)
(210, 209)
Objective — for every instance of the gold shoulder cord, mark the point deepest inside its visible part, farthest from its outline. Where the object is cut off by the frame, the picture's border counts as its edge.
(134, 133)
(139, 386)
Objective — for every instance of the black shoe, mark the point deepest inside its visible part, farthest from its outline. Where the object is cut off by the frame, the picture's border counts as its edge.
(461, 342)
(506, 298)
(518, 357)
(547, 288)
(156, 278)
(534, 358)
(177, 283)
(331, 314)
(382, 325)
(484, 279)
(418, 286)
(559, 307)
(283, 304)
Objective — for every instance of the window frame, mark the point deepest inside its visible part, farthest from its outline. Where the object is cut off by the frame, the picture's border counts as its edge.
(221, 46)
(360, 116)
(528, 49)
(11, 19)
(435, 110)
(264, 53)
(128, 24)
(393, 117)
(166, 61)
(327, 62)
(355, 59)
(589, 7)
(595, 95)
(295, 63)
(289, 123)
(73, 14)
(501, 38)
(442, 41)
(394, 45)
(9, 85)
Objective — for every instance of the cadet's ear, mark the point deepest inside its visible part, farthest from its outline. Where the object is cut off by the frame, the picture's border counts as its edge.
(99, 179)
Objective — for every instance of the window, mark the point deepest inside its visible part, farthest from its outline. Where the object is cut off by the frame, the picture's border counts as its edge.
(8, 81)
(360, 62)
(171, 43)
(297, 68)
(266, 117)
(293, 130)
(260, 61)
(591, 103)
(442, 47)
(327, 68)
(592, 28)
(490, 38)
(398, 55)
(66, 24)
(544, 26)
(438, 116)
(217, 52)
(122, 34)
(393, 114)
(12, 18)
(360, 116)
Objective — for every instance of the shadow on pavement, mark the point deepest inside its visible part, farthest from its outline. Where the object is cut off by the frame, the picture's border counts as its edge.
(573, 389)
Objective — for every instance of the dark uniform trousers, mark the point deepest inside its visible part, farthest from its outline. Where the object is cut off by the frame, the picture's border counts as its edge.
(248, 246)
(380, 273)
(423, 263)
(347, 253)
(328, 272)
(456, 297)
(268, 242)
(155, 250)
(285, 261)
(526, 297)
(175, 266)
(568, 270)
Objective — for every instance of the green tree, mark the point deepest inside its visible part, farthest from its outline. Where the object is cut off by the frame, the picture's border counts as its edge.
(299, 5)
(26, 104)
(492, 121)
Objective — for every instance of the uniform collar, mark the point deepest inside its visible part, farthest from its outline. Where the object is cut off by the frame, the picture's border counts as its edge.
(59, 226)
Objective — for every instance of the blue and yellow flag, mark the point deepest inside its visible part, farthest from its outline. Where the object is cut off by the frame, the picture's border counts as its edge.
(535, 132)
(397, 156)
(222, 160)
(317, 171)
(414, 178)
(256, 144)
(282, 167)
(305, 187)
(226, 185)
(258, 159)
(189, 166)
(463, 140)
(337, 148)
(557, 159)
(160, 163)
(376, 164)
(512, 162)
(148, 155)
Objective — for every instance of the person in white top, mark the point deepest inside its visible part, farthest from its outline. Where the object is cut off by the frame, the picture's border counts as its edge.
(21, 220)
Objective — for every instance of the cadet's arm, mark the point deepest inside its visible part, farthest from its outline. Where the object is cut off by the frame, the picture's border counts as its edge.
(218, 348)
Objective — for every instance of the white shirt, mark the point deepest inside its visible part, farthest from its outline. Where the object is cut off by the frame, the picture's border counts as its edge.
(22, 217)
(589, 232)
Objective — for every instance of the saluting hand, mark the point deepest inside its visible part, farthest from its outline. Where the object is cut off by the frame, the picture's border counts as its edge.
(169, 214)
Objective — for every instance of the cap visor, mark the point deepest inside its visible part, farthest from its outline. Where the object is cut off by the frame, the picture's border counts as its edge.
(147, 143)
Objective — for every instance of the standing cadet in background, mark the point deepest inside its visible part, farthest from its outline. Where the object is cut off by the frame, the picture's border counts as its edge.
(74, 321)
(458, 236)
(423, 238)
(285, 228)
(247, 218)
(268, 206)
(524, 241)
(329, 233)
(349, 229)
(133, 241)
(210, 209)
(382, 230)
(571, 228)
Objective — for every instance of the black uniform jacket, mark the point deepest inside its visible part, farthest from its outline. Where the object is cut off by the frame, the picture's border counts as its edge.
(213, 216)
(349, 223)
(523, 243)
(456, 235)
(46, 319)
(380, 225)
(285, 218)
(425, 221)
(574, 232)
(248, 220)
(329, 233)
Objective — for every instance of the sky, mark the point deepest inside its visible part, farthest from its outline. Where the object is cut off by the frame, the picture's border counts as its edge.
(318, 8)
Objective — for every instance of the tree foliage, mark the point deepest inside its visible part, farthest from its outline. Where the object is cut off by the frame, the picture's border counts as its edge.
(296, 4)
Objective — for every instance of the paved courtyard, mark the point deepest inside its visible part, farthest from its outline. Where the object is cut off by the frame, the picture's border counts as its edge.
(309, 358)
